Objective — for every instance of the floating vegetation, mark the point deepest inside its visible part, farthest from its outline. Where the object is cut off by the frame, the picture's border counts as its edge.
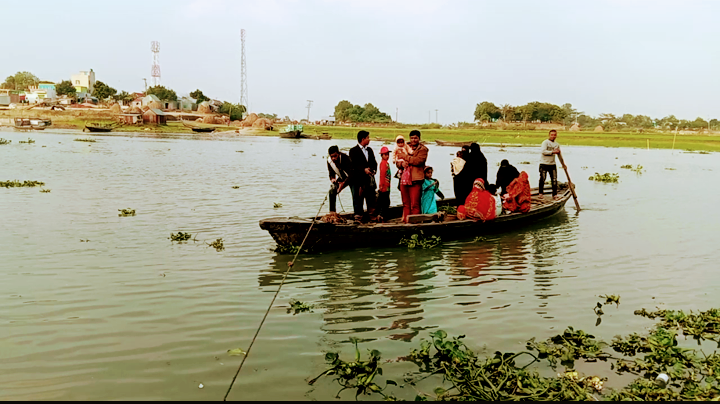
(18, 184)
(584, 167)
(126, 212)
(277, 205)
(217, 245)
(236, 352)
(638, 169)
(479, 239)
(287, 249)
(45, 191)
(607, 177)
(358, 375)
(670, 168)
(450, 210)
(610, 299)
(29, 141)
(4, 141)
(180, 236)
(664, 371)
(89, 140)
(297, 306)
(420, 241)
(524, 162)
(236, 187)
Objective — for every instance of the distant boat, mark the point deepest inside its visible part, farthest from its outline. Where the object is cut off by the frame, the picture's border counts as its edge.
(31, 123)
(96, 127)
(199, 129)
(453, 144)
(293, 132)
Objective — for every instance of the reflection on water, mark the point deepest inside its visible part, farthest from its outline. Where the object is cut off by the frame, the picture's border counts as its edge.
(130, 315)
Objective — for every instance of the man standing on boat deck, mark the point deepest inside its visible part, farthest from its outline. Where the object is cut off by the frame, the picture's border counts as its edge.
(363, 177)
(547, 163)
(339, 168)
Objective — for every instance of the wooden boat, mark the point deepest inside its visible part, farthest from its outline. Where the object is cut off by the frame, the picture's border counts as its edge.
(294, 135)
(453, 144)
(96, 127)
(198, 129)
(323, 236)
(31, 123)
(324, 136)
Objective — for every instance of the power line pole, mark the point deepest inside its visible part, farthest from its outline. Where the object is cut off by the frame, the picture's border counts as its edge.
(436, 116)
(308, 108)
(244, 100)
(145, 80)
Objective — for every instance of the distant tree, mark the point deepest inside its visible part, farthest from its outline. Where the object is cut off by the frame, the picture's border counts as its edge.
(342, 110)
(488, 108)
(65, 87)
(508, 111)
(102, 91)
(714, 123)
(643, 121)
(199, 96)
(164, 94)
(235, 111)
(268, 116)
(571, 114)
(587, 121)
(124, 96)
(346, 111)
(668, 122)
(20, 81)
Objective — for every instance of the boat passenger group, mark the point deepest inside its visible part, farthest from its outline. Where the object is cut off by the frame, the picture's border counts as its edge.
(482, 201)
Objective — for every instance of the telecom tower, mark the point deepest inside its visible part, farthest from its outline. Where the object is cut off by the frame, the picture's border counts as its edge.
(155, 71)
(244, 100)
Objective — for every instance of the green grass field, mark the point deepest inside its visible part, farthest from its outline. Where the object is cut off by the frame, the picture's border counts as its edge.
(535, 137)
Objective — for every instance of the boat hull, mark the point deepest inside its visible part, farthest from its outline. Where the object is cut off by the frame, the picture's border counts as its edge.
(96, 129)
(296, 134)
(324, 236)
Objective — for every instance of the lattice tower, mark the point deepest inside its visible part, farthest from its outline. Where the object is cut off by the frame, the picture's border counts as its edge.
(155, 71)
(244, 100)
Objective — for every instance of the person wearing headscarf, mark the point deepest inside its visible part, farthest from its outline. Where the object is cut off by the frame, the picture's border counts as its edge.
(518, 198)
(479, 162)
(505, 175)
(479, 205)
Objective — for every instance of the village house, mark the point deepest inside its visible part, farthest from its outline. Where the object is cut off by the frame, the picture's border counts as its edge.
(131, 119)
(84, 82)
(155, 116)
(150, 98)
(35, 95)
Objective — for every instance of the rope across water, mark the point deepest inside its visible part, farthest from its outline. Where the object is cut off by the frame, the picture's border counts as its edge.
(282, 282)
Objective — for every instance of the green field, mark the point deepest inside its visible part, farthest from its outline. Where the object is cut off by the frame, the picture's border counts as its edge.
(694, 142)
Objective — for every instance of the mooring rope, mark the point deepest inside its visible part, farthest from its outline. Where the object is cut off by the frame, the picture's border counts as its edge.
(282, 282)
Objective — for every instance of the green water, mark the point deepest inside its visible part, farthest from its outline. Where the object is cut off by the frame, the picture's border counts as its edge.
(130, 315)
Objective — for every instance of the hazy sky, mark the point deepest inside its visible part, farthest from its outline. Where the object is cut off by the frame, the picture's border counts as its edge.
(619, 56)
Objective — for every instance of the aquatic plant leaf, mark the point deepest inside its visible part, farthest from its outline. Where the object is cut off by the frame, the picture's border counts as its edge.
(236, 352)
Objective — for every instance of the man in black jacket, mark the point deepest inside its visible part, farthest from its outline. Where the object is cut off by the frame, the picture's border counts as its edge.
(340, 169)
(363, 177)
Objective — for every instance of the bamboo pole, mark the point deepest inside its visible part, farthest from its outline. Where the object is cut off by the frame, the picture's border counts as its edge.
(648, 143)
(570, 184)
(674, 137)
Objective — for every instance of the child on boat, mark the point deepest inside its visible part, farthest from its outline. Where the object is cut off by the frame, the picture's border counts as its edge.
(402, 174)
(430, 187)
(383, 201)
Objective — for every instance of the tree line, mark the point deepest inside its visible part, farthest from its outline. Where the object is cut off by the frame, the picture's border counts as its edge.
(345, 111)
(567, 115)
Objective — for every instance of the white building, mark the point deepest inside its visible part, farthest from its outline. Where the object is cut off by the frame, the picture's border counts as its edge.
(84, 82)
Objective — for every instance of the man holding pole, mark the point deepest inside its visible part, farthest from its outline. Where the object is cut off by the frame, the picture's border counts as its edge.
(547, 163)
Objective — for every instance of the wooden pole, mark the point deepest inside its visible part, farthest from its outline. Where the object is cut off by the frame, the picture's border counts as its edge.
(648, 142)
(675, 137)
(570, 184)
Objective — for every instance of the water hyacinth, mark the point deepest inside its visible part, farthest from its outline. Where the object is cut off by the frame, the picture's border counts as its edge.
(607, 177)
(18, 184)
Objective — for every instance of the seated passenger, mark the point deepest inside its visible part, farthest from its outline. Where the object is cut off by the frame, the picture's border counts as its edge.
(517, 198)
(505, 175)
(479, 205)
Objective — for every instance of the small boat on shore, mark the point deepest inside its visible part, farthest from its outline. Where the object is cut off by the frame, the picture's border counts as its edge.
(97, 127)
(293, 132)
(198, 129)
(325, 236)
(324, 136)
(31, 123)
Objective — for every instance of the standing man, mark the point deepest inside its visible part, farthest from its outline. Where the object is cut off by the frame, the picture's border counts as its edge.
(363, 177)
(339, 168)
(415, 162)
(547, 163)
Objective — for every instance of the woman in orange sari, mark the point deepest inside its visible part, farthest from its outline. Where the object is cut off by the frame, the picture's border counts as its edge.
(479, 205)
(517, 198)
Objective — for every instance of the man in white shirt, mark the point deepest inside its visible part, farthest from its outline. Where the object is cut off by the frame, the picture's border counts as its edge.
(547, 163)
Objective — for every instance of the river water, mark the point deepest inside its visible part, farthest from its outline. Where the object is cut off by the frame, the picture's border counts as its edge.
(130, 315)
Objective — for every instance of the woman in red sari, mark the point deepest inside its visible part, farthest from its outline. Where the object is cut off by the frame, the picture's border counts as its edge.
(517, 198)
(479, 205)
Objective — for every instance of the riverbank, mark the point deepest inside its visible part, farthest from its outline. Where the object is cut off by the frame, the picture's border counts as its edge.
(658, 140)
